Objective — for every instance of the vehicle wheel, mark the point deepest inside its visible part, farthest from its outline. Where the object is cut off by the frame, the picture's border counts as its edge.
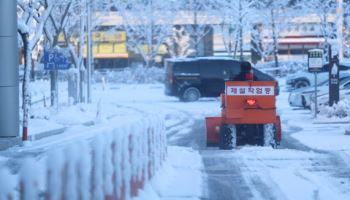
(228, 137)
(191, 94)
(301, 83)
(270, 135)
(303, 102)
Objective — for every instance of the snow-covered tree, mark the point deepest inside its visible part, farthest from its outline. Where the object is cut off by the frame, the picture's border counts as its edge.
(67, 22)
(237, 19)
(147, 24)
(32, 16)
(325, 10)
(274, 17)
(179, 43)
(346, 29)
(199, 13)
(40, 20)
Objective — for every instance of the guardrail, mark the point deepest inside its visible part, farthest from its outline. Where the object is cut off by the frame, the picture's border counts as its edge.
(113, 164)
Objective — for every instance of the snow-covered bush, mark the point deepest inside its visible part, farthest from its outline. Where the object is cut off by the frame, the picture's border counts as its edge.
(135, 75)
(339, 110)
(285, 67)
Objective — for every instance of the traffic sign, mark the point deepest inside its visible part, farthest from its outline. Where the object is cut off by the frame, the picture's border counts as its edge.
(315, 64)
(54, 59)
(315, 60)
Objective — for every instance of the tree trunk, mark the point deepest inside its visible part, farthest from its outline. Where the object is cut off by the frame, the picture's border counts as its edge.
(32, 72)
(195, 22)
(240, 31)
(25, 84)
(81, 61)
(274, 37)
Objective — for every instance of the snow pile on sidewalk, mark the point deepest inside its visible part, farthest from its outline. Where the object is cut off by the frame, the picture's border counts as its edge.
(114, 161)
(140, 75)
(339, 110)
(179, 178)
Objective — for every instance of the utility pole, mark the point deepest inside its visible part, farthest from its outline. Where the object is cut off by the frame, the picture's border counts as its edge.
(9, 93)
(89, 50)
(274, 38)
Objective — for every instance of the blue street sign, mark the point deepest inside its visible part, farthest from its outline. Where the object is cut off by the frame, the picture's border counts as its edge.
(55, 60)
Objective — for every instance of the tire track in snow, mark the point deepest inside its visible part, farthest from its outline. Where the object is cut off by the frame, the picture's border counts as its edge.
(179, 133)
(224, 178)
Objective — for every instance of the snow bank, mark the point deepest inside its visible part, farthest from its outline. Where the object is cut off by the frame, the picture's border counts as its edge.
(132, 75)
(339, 110)
(179, 178)
(113, 164)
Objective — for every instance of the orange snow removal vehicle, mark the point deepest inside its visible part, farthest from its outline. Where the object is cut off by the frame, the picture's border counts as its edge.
(248, 116)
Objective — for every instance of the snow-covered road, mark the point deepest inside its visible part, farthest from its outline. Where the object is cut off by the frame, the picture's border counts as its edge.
(313, 161)
(302, 168)
(297, 170)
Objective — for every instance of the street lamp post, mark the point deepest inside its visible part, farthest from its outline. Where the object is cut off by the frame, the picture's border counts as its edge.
(9, 93)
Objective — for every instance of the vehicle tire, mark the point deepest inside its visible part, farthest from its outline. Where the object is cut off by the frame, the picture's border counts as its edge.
(191, 94)
(301, 83)
(303, 102)
(228, 137)
(270, 137)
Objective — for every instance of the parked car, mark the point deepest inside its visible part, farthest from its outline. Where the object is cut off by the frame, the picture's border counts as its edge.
(306, 79)
(192, 78)
(301, 97)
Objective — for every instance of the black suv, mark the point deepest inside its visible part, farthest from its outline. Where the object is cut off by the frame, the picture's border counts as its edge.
(192, 78)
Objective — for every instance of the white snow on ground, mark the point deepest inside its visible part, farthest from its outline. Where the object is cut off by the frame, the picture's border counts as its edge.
(318, 134)
(3, 160)
(179, 116)
(42, 125)
(180, 178)
(294, 173)
(289, 174)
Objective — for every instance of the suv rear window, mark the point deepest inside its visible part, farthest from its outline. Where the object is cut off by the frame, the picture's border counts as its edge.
(214, 69)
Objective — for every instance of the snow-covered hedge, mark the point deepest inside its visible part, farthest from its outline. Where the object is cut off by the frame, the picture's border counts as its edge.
(285, 67)
(131, 75)
(339, 110)
(113, 164)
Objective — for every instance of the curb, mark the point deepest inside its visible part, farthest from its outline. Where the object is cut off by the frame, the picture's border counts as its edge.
(46, 134)
(6, 143)
(58, 131)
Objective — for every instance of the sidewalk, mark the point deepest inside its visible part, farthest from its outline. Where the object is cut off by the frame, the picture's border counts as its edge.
(180, 177)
